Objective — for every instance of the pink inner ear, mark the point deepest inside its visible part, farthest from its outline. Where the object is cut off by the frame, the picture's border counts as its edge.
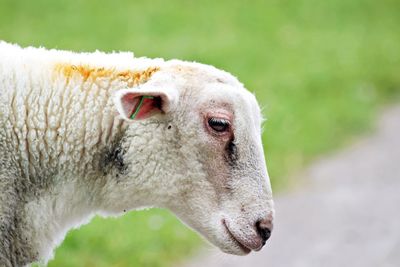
(149, 107)
(130, 103)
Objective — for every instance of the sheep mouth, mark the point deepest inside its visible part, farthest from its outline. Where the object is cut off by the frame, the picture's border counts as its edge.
(242, 247)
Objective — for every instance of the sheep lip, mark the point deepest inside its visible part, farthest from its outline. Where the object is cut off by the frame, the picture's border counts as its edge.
(242, 247)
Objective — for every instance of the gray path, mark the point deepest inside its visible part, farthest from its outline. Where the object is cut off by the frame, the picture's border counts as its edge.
(347, 214)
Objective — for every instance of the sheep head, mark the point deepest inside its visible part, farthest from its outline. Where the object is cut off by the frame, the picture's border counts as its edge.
(195, 148)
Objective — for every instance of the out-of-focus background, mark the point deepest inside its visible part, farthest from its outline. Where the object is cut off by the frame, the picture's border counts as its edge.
(321, 70)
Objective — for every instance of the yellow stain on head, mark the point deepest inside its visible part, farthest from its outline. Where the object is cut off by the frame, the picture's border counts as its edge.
(87, 72)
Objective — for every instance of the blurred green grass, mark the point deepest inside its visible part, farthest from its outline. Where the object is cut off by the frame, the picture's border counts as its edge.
(320, 69)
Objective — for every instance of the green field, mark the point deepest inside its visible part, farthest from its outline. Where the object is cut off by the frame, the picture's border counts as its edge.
(320, 69)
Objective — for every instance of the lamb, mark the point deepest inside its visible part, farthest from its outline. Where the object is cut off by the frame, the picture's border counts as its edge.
(94, 133)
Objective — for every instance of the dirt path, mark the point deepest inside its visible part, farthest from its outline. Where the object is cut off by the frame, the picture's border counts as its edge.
(348, 213)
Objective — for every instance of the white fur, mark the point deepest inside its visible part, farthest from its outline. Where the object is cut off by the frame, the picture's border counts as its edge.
(58, 125)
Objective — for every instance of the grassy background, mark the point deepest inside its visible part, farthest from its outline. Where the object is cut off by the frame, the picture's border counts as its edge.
(320, 68)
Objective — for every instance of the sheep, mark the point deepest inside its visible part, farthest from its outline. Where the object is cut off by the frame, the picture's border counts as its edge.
(94, 133)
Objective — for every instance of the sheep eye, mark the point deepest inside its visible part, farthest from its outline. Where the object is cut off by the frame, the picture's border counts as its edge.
(219, 125)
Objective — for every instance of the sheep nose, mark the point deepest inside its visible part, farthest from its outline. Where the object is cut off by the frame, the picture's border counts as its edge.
(264, 229)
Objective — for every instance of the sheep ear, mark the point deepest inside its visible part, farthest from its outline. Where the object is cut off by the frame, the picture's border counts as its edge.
(139, 104)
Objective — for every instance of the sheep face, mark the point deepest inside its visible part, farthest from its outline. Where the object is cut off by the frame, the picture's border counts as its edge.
(205, 156)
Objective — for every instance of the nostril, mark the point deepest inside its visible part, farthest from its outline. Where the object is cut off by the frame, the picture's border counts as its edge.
(264, 232)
